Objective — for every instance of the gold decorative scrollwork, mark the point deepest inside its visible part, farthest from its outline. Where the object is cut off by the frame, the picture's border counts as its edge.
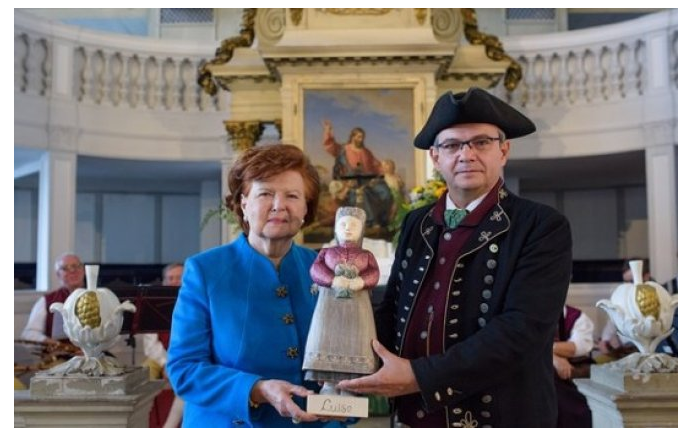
(357, 11)
(244, 134)
(493, 48)
(295, 15)
(420, 14)
(224, 53)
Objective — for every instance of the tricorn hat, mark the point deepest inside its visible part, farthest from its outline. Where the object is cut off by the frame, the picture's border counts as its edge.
(474, 106)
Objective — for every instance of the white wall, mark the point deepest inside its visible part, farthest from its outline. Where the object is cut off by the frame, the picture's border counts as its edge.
(608, 223)
(25, 213)
(120, 227)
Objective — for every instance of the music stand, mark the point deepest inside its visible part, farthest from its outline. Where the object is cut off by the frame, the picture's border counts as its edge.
(154, 310)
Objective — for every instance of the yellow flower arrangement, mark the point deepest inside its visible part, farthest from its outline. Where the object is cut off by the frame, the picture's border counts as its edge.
(421, 195)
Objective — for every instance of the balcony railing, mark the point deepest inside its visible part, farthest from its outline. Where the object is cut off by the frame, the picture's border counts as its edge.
(588, 66)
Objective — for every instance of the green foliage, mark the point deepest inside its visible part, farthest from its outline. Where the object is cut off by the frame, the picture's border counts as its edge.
(221, 212)
(420, 196)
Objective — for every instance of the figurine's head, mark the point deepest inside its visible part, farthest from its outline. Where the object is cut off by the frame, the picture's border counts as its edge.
(350, 225)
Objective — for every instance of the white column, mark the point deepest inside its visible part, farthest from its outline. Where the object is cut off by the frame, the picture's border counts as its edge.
(660, 112)
(210, 199)
(56, 213)
(661, 178)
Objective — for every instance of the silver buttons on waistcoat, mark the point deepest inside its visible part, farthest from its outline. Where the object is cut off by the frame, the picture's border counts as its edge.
(456, 293)
(486, 399)
(420, 414)
(447, 236)
(454, 307)
(481, 322)
(484, 307)
(404, 264)
(491, 264)
(437, 285)
(437, 396)
(442, 260)
(423, 335)
(489, 279)
(485, 414)
(409, 252)
(486, 294)
(494, 248)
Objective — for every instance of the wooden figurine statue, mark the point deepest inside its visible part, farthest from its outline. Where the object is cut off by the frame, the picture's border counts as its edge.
(339, 344)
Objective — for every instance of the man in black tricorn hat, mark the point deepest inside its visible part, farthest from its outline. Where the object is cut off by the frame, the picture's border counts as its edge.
(480, 277)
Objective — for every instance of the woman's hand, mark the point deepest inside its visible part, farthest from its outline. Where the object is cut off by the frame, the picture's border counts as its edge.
(279, 394)
(356, 284)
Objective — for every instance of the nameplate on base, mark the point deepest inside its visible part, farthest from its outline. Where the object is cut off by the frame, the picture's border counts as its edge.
(338, 405)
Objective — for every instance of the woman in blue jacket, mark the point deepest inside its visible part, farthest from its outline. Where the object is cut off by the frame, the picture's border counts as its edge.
(243, 312)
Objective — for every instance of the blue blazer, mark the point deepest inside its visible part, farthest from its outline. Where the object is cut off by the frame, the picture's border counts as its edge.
(237, 320)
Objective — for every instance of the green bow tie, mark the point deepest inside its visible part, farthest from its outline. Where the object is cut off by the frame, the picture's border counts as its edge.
(453, 217)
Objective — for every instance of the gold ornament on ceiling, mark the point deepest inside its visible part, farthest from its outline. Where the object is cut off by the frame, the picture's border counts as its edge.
(420, 14)
(493, 48)
(224, 53)
(295, 15)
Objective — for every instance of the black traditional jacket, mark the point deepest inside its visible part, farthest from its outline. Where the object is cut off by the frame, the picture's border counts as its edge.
(507, 292)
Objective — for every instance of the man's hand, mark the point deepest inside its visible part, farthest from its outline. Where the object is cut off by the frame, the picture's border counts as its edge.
(393, 379)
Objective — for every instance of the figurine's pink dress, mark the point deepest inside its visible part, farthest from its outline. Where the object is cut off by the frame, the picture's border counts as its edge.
(339, 344)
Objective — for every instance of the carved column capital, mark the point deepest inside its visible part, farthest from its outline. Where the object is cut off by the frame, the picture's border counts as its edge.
(244, 134)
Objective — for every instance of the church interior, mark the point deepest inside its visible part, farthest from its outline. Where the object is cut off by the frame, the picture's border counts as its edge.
(127, 121)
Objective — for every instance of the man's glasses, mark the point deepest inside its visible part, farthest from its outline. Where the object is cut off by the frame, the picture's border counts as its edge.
(72, 267)
(477, 144)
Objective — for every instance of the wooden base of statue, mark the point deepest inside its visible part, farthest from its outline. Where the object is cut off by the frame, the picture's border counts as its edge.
(338, 405)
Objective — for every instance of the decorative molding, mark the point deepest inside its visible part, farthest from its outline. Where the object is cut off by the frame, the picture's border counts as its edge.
(296, 16)
(356, 11)
(271, 24)
(447, 24)
(493, 48)
(242, 135)
(224, 53)
(421, 15)
(274, 63)
(491, 78)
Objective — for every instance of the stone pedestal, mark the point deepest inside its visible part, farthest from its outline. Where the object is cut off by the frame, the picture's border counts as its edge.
(619, 399)
(73, 401)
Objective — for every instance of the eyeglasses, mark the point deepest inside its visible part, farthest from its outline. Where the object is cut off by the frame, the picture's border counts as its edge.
(71, 267)
(477, 144)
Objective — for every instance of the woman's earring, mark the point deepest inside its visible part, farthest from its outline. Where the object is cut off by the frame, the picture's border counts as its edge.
(302, 221)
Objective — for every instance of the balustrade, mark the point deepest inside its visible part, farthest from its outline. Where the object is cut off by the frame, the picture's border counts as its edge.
(610, 65)
(155, 78)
